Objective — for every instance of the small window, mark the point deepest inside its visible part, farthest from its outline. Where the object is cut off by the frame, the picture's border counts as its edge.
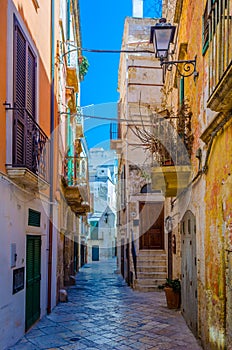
(94, 230)
(34, 218)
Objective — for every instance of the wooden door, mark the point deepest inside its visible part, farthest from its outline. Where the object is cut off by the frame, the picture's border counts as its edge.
(189, 305)
(33, 277)
(151, 225)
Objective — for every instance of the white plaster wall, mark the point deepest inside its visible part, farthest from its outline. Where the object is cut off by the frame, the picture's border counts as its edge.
(13, 216)
(106, 235)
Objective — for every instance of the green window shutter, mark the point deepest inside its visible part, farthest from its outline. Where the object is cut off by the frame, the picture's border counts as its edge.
(34, 218)
(205, 29)
(181, 90)
(33, 262)
(94, 230)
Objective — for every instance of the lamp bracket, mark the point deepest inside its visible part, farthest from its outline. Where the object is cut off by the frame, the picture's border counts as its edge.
(185, 68)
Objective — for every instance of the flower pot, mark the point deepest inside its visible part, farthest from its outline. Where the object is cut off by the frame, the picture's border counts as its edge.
(172, 297)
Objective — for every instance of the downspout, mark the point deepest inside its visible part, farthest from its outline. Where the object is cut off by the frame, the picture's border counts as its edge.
(50, 238)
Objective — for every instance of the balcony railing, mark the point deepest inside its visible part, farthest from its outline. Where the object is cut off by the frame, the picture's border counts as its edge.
(115, 137)
(30, 145)
(75, 171)
(171, 142)
(76, 184)
(115, 131)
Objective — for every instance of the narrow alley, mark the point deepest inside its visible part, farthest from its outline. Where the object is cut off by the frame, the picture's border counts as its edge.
(102, 312)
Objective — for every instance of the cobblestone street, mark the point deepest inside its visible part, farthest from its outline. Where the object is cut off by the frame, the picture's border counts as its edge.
(102, 312)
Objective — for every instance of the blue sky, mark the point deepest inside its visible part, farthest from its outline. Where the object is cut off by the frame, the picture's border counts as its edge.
(102, 24)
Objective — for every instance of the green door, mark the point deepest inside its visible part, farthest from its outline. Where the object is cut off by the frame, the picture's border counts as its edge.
(33, 280)
(95, 253)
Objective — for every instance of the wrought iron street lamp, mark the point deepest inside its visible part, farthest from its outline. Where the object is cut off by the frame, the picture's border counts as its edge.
(106, 215)
(162, 35)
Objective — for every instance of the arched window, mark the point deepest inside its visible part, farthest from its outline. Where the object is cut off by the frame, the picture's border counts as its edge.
(147, 189)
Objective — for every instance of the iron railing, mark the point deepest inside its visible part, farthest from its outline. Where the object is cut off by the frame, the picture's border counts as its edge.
(76, 170)
(30, 145)
(115, 131)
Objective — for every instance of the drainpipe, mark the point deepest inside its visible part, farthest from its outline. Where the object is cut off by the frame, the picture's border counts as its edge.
(50, 238)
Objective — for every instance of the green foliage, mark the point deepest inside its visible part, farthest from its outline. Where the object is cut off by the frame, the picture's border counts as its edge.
(174, 284)
(83, 66)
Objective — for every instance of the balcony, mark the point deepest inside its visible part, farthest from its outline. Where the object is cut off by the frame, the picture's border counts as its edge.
(172, 170)
(115, 137)
(30, 159)
(72, 78)
(221, 98)
(72, 87)
(171, 180)
(169, 139)
(76, 185)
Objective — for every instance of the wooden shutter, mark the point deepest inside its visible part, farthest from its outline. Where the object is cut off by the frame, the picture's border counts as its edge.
(24, 98)
(33, 261)
(181, 90)
(19, 97)
(34, 218)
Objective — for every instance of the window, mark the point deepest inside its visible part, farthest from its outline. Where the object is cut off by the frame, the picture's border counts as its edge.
(181, 91)
(34, 218)
(217, 36)
(24, 102)
(205, 36)
(94, 230)
(25, 72)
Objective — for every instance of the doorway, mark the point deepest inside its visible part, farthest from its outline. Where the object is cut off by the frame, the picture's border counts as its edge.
(189, 271)
(33, 277)
(151, 225)
(95, 253)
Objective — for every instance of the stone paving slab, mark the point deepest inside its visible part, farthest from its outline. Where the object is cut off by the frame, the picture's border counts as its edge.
(102, 312)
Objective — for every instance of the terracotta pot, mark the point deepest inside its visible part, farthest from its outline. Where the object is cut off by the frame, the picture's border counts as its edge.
(173, 298)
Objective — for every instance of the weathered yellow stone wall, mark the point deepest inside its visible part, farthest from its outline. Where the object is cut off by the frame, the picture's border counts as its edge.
(210, 198)
(218, 238)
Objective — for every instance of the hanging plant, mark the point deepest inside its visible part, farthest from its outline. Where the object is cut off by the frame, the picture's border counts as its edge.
(83, 66)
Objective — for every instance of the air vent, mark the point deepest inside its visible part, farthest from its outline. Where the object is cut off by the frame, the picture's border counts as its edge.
(34, 218)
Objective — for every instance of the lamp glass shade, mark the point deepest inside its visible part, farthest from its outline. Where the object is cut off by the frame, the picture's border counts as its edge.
(162, 37)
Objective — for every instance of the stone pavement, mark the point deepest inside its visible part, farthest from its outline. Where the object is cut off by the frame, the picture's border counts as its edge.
(102, 312)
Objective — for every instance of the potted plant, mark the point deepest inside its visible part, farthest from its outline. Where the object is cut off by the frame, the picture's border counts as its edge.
(172, 288)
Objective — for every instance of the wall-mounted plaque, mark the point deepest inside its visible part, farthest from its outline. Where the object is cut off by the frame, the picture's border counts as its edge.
(18, 280)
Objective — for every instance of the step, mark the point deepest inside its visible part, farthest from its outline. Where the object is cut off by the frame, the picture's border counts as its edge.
(152, 268)
(149, 263)
(151, 275)
(150, 282)
(147, 289)
(152, 256)
(152, 252)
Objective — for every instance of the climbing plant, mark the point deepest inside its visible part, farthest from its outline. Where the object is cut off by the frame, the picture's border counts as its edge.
(83, 66)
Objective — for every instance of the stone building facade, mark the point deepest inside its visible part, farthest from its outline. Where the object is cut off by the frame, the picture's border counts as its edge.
(189, 168)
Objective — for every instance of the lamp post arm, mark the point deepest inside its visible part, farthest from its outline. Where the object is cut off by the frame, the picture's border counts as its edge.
(185, 68)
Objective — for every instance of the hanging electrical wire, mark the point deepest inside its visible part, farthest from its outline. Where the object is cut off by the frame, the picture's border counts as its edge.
(78, 48)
